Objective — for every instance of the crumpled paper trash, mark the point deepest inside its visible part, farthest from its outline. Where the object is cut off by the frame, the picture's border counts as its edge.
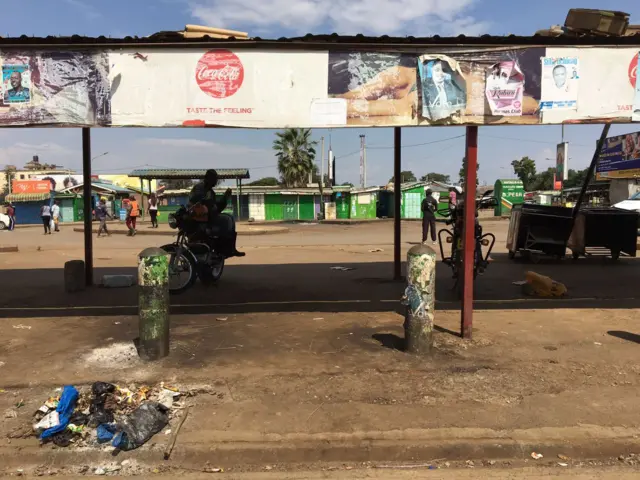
(541, 286)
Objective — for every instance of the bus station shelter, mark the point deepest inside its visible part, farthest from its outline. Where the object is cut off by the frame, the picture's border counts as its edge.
(326, 81)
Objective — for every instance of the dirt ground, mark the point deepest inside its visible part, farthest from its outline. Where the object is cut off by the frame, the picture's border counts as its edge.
(307, 362)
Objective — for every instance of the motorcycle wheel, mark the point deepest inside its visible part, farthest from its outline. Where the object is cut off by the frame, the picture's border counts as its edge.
(182, 270)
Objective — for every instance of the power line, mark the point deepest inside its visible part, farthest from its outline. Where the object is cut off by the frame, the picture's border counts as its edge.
(534, 141)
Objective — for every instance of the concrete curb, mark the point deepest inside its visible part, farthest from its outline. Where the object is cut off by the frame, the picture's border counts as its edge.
(453, 444)
(158, 232)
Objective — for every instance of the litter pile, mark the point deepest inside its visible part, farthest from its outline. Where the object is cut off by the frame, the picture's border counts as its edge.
(127, 417)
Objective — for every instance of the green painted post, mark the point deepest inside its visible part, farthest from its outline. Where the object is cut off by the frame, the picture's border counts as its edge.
(153, 303)
(419, 297)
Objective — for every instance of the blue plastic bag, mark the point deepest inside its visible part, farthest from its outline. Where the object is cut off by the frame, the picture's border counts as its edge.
(65, 409)
(105, 432)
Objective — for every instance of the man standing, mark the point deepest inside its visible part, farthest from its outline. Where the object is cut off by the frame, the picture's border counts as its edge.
(429, 207)
(133, 211)
(203, 193)
(56, 215)
(102, 214)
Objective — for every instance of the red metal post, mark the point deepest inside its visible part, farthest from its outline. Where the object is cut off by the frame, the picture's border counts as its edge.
(470, 178)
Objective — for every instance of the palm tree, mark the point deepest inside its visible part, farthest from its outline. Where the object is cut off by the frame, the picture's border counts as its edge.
(296, 155)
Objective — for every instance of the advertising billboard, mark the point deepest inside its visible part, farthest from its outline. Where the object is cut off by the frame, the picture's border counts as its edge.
(30, 186)
(562, 162)
(620, 157)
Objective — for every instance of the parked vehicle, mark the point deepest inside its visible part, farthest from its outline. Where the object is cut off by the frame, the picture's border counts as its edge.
(455, 218)
(194, 253)
(632, 204)
(4, 221)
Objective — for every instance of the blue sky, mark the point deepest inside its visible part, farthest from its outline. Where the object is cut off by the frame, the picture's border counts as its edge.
(129, 148)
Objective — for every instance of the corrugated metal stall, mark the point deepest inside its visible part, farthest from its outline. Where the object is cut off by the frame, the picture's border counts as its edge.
(273, 206)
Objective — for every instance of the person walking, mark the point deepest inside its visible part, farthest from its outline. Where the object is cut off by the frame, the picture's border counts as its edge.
(56, 215)
(11, 213)
(45, 214)
(153, 210)
(429, 207)
(133, 211)
(102, 214)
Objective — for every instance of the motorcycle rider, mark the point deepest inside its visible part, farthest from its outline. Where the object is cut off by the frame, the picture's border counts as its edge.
(203, 192)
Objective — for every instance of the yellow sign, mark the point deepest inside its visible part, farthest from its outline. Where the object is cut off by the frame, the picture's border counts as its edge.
(130, 182)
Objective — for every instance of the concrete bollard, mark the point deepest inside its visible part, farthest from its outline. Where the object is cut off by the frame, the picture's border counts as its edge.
(420, 300)
(74, 280)
(153, 303)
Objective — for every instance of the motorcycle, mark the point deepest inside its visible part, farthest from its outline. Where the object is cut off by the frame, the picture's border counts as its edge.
(194, 253)
(455, 217)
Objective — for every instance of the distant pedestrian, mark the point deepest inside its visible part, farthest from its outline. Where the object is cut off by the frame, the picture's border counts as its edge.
(153, 210)
(429, 207)
(133, 211)
(11, 213)
(102, 214)
(45, 214)
(56, 214)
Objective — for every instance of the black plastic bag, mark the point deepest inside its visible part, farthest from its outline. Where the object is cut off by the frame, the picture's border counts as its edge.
(143, 423)
(100, 389)
(62, 439)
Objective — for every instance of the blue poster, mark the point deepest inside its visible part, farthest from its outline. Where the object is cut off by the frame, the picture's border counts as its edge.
(16, 84)
(620, 157)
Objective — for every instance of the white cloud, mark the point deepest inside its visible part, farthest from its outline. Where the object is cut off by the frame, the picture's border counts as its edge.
(377, 17)
(194, 143)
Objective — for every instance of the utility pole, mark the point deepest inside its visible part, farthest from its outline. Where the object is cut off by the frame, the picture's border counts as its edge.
(362, 162)
(322, 179)
(364, 156)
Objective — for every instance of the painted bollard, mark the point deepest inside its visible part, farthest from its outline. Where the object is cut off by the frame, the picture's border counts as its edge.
(419, 297)
(153, 303)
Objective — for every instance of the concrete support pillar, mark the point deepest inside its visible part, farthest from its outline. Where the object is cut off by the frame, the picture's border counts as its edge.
(153, 303)
(420, 299)
(74, 278)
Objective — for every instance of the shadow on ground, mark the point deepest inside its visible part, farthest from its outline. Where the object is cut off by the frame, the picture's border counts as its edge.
(368, 287)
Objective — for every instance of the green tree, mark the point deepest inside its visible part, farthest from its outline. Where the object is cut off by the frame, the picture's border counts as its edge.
(436, 177)
(576, 178)
(8, 172)
(525, 169)
(406, 176)
(347, 184)
(265, 182)
(464, 168)
(543, 180)
(296, 154)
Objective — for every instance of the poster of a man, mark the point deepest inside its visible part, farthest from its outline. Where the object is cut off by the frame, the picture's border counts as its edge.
(444, 91)
(16, 83)
(560, 77)
(505, 89)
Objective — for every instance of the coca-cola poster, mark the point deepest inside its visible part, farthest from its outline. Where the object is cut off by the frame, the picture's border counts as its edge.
(636, 103)
(606, 84)
(217, 87)
(505, 88)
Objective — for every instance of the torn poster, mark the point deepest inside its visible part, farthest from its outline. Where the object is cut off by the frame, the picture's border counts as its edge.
(560, 76)
(444, 89)
(55, 88)
(505, 89)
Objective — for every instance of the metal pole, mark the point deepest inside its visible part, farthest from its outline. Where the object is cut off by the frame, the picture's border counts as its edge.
(142, 199)
(361, 161)
(420, 299)
(237, 199)
(592, 167)
(239, 196)
(153, 303)
(86, 209)
(364, 159)
(468, 231)
(397, 196)
(320, 183)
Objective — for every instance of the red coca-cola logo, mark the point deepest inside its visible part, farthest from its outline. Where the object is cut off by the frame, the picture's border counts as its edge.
(219, 73)
(633, 71)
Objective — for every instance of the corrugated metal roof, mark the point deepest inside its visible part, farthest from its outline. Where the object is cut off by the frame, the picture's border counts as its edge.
(331, 41)
(189, 173)
(27, 197)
